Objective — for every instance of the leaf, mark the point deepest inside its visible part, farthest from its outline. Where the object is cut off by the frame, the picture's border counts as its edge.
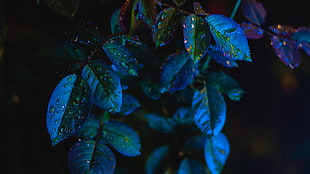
(114, 23)
(122, 137)
(209, 111)
(89, 156)
(229, 36)
(251, 31)
(121, 58)
(183, 116)
(146, 11)
(150, 88)
(254, 11)
(66, 8)
(86, 33)
(159, 123)
(216, 152)
(165, 26)
(106, 90)
(302, 34)
(219, 57)
(156, 160)
(197, 36)
(176, 73)
(306, 47)
(192, 166)
(226, 84)
(90, 127)
(179, 2)
(195, 144)
(199, 9)
(68, 107)
(129, 104)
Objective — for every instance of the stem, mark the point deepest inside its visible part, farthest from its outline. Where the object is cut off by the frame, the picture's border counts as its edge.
(171, 6)
(233, 13)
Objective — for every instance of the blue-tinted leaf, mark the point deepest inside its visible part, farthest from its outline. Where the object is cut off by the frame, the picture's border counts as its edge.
(150, 88)
(302, 34)
(146, 11)
(254, 11)
(183, 116)
(89, 128)
(219, 57)
(192, 166)
(121, 58)
(68, 107)
(229, 36)
(226, 84)
(114, 23)
(160, 123)
(156, 160)
(306, 47)
(89, 156)
(195, 144)
(66, 8)
(199, 9)
(179, 2)
(252, 31)
(209, 110)
(105, 85)
(129, 104)
(165, 25)
(197, 36)
(122, 137)
(216, 152)
(176, 72)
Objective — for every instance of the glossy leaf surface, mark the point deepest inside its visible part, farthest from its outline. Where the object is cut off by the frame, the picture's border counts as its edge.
(121, 58)
(222, 59)
(129, 104)
(89, 156)
(197, 36)
(105, 85)
(146, 11)
(156, 160)
(254, 11)
(160, 123)
(209, 110)
(68, 107)
(66, 8)
(90, 127)
(229, 36)
(251, 31)
(216, 152)
(302, 34)
(122, 137)
(192, 166)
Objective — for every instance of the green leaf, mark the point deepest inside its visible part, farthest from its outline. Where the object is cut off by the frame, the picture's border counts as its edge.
(90, 127)
(106, 90)
(146, 11)
(197, 36)
(122, 137)
(66, 8)
(229, 36)
(68, 107)
(226, 84)
(179, 2)
(157, 160)
(216, 152)
(123, 60)
(209, 110)
(114, 23)
(165, 26)
(89, 156)
(192, 166)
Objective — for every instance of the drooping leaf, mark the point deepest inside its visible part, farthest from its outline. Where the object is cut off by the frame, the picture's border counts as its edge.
(209, 110)
(302, 34)
(229, 36)
(86, 33)
(90, 127)
(68, 107)
(197, 36)
(252, 31)
(114, 23)
(129, 104)
(216, 152)
(179, 2)
(199, 9)
(122, 137)
(165, 26)
(89, 156)
(121, 58)
(105, 85)
(192, 166)
(66, 8)
(159, 123)
(176, 73)
(254, 11)
(156, 160)
(226, 84)
(146, 11)
(222, 59)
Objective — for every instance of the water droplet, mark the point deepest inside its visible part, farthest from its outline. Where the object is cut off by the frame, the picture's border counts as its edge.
(51, 109)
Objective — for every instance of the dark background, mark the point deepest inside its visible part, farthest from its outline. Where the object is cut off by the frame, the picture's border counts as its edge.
(268, 129)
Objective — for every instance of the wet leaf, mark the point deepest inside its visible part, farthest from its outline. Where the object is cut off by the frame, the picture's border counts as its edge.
(89, 128)
(114, 23)
(124, 61)
(165, 26)
(209, 111)
(106, 90)
(254, 11)
(66, 8)
(129, 104)
(199, 9)
(122, 137)
(86, 33)
(252, 31)
(302, 34)
(219, 57)
(216, 152)
(68, 108)
(157, 160)
(192, 166)
(179, 2)
(89, 156)
(229, 36)
(226, 84)
(159, 123)
(197, 36)
(146, 11)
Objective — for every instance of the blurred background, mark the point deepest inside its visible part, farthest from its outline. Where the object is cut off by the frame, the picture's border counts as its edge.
(268, 128)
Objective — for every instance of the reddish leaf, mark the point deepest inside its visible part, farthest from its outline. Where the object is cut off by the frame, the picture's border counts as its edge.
(252, 31)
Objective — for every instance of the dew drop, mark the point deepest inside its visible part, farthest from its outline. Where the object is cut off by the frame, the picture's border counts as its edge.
(51, 109)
